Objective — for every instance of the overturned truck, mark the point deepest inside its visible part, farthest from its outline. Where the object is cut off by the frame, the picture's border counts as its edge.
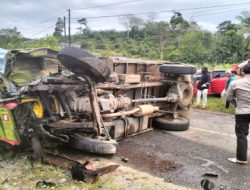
(73, 98)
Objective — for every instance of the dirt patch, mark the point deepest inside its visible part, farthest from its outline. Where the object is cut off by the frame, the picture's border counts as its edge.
(147, 161)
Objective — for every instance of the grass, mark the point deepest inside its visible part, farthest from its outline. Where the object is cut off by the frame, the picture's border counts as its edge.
(18, 174)
(218, 104)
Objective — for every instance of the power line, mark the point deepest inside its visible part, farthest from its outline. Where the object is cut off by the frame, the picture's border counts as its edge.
(46, 20)
(59, 14)
(47, 28)
(106, 5)
(207, 12)
(107, 16)
(175, 10)
(216, 10)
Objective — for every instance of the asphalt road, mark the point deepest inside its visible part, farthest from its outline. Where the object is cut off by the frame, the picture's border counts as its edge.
(183, 157)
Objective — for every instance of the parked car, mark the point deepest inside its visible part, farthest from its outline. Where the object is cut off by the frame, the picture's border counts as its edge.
(218, 81)
(75, 99)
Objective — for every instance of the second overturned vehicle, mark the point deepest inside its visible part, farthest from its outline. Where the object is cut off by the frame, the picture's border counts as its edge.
(73, 98)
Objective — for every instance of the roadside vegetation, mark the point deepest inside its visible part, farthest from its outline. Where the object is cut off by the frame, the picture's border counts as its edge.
(215, 103)
(175, 40)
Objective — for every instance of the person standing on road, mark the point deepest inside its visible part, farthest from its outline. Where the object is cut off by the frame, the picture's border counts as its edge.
(202, 87)
(232, 75)
(224, 92)
(239, 92)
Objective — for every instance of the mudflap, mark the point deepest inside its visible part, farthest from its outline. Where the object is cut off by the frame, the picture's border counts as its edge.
(8, 132)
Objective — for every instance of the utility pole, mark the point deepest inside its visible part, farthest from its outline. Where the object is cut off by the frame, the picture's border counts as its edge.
(64, 26)
(69, 27)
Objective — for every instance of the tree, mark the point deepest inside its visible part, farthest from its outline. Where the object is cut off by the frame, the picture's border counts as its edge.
(244, 18)
(11, 38)
(193, 26)
(177, 22)
(151, 17)
(82, 22)
(136, 22)
(226, 26)
(162, 36)
(192, 49)
(178, 27)
(59, 28)
(131, 21)
(229, 46)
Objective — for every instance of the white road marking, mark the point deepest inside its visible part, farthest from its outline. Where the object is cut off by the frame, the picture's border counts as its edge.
(213, 132)
(211, 163)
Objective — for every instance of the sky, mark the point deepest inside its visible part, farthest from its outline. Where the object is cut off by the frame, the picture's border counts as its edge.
(37, 18)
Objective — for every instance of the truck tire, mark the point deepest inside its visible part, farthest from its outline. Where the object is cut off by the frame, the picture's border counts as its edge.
(94, 146)
(187, 90)
(177, 69)
(170, 124)
(81, 62)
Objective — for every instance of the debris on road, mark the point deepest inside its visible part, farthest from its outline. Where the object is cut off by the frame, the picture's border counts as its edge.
(222, 187)
(58, 161)
(86, 172)
(168, 179)
(21, 175)
(207, 185)
(124, 159)
(210, 175)
(45, 184)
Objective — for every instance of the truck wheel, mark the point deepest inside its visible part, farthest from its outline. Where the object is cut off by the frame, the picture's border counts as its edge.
(187, 92)
(81, 62)
(186, 113)
(92, 145)
(177, 69)
(170, 124)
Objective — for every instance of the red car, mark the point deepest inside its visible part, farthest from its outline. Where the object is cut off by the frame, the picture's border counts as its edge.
(218, 81)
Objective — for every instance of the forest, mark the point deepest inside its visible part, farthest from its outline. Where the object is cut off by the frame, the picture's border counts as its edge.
(175, 40)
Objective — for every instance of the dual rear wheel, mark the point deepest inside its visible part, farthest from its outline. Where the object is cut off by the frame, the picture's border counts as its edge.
(181, 123)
